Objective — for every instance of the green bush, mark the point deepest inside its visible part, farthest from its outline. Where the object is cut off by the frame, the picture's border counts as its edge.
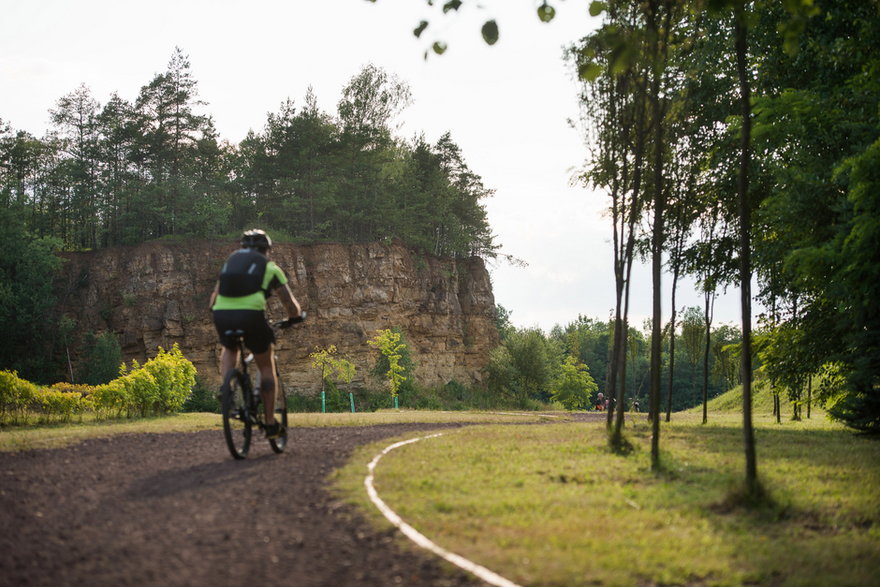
(303, 403)
(335, 399)
(174, 378)
(59, 404)
(102, 359)
(16, 395)
(162, 385)
(109, 399)
(202, 399)
(141, 390)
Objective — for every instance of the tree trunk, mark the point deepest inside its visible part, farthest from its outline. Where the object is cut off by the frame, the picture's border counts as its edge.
(659, 65)
(777, 405)
(710, 301)
(671, 347)
(809, 395)
(616, 401)
(745, 267)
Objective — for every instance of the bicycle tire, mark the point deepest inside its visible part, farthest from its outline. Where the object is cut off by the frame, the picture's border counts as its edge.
(237, 427)
(278, 444)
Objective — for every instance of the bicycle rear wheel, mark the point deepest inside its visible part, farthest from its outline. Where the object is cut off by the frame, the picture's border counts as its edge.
(279, 443)
(236, 420)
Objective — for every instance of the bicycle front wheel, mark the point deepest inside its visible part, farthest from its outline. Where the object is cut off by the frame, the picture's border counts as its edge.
(236, 420)
(279, 443)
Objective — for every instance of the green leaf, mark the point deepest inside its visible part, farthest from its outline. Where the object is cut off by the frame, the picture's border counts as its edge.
(597, 7)
(546, 13)
(589, 71)
(420, 29)
(439, 47)
(490, 32)
(451, 5)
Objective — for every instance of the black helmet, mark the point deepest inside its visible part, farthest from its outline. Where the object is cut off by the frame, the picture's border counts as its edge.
(256, 239)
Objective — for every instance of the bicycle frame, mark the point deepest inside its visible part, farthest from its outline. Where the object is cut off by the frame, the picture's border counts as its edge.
(242, 400)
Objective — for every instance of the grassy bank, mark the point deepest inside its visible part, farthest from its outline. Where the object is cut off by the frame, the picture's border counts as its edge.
(58, 435)
(550, 505)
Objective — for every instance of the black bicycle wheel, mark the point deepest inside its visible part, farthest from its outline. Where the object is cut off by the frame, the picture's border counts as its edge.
(279, 443)
(236, 422)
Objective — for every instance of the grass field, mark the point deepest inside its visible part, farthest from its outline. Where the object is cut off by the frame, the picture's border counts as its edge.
(58, 435)
(550, 505)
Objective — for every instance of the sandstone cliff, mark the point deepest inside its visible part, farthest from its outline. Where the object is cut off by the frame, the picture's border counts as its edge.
(156, 294)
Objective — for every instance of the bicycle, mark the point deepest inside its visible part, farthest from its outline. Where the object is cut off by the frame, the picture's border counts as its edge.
(242, 402)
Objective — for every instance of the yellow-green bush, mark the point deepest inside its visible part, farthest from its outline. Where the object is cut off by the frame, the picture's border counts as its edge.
(80, 388)
(174, 378)
(109, 399)
(159, 386)
(61, 405)
(16, 396)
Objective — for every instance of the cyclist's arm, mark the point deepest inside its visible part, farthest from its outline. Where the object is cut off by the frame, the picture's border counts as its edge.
(290, 303)
(276, 281)
(214, 295)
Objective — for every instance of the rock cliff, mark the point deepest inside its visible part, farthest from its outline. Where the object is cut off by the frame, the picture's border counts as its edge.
(156, 294)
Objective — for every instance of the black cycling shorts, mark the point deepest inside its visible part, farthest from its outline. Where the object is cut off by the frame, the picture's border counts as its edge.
(258, 335)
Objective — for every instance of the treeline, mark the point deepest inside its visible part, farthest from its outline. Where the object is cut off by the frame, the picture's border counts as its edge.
(129, 171)
(737, 139)
(530, 365)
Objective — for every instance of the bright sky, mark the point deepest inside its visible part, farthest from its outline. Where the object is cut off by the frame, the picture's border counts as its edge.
(507, 107)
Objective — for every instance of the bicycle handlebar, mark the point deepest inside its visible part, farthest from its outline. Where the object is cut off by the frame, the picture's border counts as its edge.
(290, 321)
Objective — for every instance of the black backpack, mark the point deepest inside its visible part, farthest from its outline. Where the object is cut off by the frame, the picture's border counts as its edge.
(242, 274)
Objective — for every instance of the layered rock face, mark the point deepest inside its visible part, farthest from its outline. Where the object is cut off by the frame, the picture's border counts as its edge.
(156, 294)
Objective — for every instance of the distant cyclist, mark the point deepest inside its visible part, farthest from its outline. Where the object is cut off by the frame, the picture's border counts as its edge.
(239, 303)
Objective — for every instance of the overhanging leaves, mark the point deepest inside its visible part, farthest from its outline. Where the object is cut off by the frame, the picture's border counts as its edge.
(490, 32)
(546, 13)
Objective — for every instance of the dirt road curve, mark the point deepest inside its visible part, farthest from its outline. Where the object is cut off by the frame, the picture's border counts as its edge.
(175, 509)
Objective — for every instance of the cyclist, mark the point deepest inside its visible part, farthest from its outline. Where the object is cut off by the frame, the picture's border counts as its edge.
(238, 302)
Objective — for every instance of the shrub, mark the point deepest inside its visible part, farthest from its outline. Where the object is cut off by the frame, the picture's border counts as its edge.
(102, 359)
(16, 395)
(202, 399)
(57, 404)
(141, 392)
(110, 399)
(174, 376)
(160, 386)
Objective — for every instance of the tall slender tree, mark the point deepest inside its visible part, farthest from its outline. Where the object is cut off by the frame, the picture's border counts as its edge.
(75, 121)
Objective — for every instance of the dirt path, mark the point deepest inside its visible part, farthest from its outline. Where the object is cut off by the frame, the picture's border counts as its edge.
(175, 509)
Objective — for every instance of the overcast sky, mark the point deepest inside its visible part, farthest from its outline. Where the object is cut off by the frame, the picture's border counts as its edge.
(506, 106)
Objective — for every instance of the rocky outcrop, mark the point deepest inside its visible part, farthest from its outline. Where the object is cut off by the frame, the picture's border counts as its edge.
(156, 294)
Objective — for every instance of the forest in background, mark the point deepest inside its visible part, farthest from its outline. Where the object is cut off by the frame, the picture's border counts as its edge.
(570, 364)
(730, 137)
(737, 139)
(126, 172)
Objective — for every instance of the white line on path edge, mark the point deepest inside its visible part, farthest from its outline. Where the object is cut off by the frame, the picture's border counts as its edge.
(419, 538)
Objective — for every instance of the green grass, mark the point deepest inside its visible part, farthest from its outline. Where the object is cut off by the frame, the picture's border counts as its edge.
(550, 505)
(15, 438)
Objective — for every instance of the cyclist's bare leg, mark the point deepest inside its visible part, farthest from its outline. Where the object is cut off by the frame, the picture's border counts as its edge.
(268, 382)
(228, 360)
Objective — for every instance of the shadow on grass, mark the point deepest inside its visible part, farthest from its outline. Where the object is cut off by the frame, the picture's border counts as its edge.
(756, 503)
(806, 445)
(620, 445)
